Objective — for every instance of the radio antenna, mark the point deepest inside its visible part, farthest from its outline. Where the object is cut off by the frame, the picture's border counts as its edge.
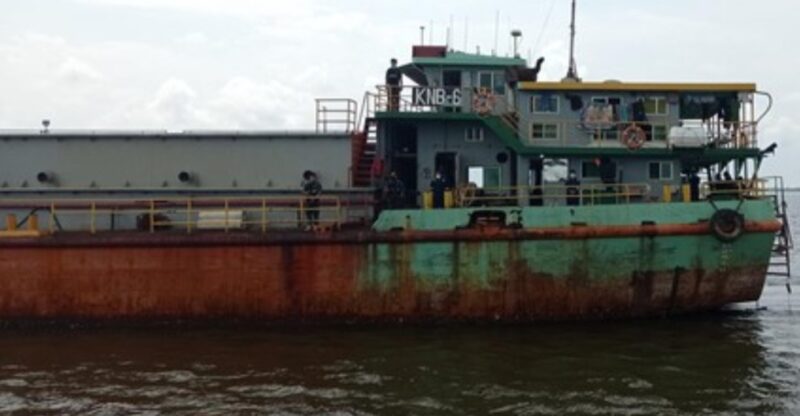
(466, 33)
(572, 72)
(496, 31)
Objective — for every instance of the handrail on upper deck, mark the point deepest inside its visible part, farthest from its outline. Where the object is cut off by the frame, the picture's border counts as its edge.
(262, 213)
(336, 115)
(583, 194)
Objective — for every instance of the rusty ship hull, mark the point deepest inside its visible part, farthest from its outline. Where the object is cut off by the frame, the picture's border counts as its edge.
(647, 266)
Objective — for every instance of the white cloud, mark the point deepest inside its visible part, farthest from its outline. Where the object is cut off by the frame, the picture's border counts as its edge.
(239, 8)
(195, 38)
(247, 104)
(175, 104)
(75, 71)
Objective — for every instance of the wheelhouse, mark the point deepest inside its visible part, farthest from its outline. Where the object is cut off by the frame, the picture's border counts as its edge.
(498, 135)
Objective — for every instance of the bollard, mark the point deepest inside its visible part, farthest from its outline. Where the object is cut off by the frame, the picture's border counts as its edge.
(11, 222)
(427, 200)
(666, 193)
(33, 223)
(686, 191)
(449, 199)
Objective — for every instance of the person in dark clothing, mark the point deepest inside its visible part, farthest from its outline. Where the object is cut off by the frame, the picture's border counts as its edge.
(573, 189)
(694, 186)
(438, 187)
(312, 190)
(639, 111)
(394, 192)
(394, 83)
(537, 196)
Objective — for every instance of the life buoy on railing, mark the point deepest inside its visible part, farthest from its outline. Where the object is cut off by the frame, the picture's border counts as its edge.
(727, 225)
(633, 137)
(483, 101)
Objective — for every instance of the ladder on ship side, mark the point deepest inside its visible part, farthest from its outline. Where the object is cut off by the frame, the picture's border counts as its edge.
(508, 115)
(365, 142)
(781, 260)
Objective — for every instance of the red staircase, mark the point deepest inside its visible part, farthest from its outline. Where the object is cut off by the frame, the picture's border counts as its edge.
(363, 154)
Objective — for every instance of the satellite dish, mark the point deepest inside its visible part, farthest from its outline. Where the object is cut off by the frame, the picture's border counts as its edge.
(46, 126)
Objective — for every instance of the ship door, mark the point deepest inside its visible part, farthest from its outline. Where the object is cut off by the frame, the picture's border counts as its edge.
(447, 165)
(403, 159)
(535, 181)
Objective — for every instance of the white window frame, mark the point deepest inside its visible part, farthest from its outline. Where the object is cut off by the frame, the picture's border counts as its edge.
(534, 109)
(658, 98)
(543, 139)
(480, 76)
(483, 170)
(661, 164)
(493, 77)
(470, 135)
(653, 133)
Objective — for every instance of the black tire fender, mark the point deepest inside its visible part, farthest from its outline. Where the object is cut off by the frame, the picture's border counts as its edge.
(727, 225)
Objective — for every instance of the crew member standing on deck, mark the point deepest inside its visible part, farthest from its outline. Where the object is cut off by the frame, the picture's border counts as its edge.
(394, 83)
(438, 187)
(312, 190)
(394, 192)
(694, 186)
(573, 189)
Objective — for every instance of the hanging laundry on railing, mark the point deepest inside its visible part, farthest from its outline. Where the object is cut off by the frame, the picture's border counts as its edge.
(599, 117)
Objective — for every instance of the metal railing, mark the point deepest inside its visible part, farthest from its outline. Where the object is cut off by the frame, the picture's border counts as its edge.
(553, 194)
(767, 187)
(180, 214)
(336, 115)
(657, 134)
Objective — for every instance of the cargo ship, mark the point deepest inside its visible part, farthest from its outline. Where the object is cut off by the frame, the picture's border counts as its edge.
(465, 189)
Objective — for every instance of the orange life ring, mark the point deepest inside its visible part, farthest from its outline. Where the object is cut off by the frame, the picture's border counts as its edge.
(633, 137)
(483, 101)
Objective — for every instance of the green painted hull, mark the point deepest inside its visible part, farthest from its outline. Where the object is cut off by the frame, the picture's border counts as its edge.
(577, 277)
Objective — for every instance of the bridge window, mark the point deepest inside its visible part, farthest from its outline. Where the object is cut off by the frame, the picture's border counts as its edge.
(473, 134)
(660, 171)
(591, 170)
(612, 101)
(544, 104)
(544, 131)
(484, 177)
(492, 81)
(660, 133)
(656, 106)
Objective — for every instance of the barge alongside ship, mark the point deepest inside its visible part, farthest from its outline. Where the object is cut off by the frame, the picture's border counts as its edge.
(207, 225)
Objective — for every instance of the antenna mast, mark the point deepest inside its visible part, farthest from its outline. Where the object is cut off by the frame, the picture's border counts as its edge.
(572, 72)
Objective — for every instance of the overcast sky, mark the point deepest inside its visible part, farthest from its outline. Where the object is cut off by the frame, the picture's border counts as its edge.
(258, 64)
